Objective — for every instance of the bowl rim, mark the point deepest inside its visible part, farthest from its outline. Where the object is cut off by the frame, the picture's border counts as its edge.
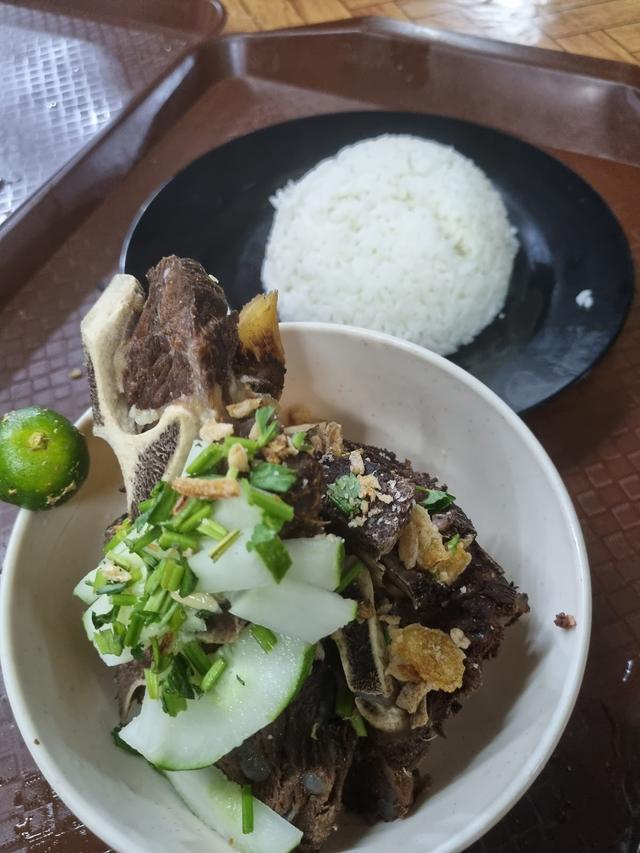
(109, 832)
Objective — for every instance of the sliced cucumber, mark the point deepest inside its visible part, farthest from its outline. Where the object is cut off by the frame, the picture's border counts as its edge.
(317, 561)
(236, 569)
(296, 609)
(217, 801)
(254, 689)
(234, 513)
(84, 589)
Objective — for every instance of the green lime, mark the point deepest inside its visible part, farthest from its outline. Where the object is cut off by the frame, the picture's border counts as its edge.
(43, 458)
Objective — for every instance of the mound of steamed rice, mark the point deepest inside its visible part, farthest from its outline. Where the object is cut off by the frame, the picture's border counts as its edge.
(397, 234)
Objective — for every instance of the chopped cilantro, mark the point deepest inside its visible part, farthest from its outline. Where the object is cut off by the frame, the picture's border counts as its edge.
(345, 494)
(267, 428)
(436, 500)
(272, 477)
(299, 441)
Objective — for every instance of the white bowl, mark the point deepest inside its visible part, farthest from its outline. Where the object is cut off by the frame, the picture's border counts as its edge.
(385, 392)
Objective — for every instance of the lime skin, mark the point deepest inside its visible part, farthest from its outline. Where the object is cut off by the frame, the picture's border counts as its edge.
(43, 458)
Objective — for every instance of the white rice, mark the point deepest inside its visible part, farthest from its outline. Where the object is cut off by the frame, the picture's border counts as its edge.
(397, 234)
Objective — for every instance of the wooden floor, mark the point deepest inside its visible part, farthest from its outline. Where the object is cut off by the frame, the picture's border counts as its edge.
(610, 29)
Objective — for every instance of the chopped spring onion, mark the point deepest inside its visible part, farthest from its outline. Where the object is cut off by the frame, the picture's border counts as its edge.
(190, 506)
(265, 638)
(109, 641)
(211, 528)
(207, 460)
(247, 810)
(299, 441)
(151, 680)
(349, 576)
(345, 494)
(119, 535)
(174, 616)
(224, 544)
(266, 543)
(156, 603)
(178, 619)
(215, 671)
(111, 588)
(197, 657)
(346, 710)
(161, 511)
(271, 504)
(156, 656)
(172, 573)
(122, 562)
(194, 520)
(149, 559)
(344, 702)
(272, 477)
(134, 629)
(436, 500)
(148, 504)
(267, 428)
(146, 539)
(153, 578)
(171, 538)
(189, 580)
(248, 443)
(358, 724)
(145, 505)
(452, 544)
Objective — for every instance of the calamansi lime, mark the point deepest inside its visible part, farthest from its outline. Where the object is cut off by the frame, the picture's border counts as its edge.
(43, 458)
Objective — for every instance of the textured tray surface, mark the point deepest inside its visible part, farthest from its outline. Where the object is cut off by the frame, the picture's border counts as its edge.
(588, 796)
(70, 72)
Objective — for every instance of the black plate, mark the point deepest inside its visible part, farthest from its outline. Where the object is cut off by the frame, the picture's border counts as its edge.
(217, 210)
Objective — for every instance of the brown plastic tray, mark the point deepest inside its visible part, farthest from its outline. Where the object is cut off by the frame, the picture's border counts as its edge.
(86, 86)
(586, 112)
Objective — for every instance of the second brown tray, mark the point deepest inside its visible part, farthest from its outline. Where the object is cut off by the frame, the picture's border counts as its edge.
(584, 111)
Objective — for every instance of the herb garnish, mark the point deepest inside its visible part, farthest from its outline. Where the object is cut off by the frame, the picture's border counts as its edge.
(299, 441)
(272, 477)
(436, 500)
(267, 428)
(216, 670)
(345, 494)
(349, 576)
(346, 710)
(247, 810)
(207, 460)
(273, 505)
(265, 638)
(452, 544)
